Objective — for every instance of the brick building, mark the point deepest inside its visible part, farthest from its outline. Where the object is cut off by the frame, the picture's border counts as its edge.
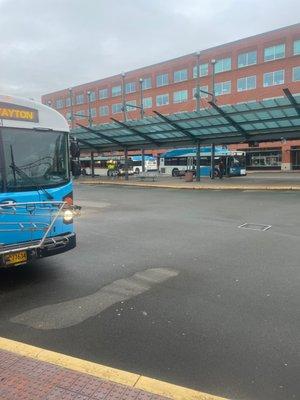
(250, 69)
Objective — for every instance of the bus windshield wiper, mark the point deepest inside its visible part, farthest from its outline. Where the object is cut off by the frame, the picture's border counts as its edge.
(23, 174)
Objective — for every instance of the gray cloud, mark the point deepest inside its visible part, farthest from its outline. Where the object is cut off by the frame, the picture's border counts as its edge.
(46, 45)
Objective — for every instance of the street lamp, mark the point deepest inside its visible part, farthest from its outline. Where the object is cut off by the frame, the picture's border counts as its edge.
(141, 98)
(197, 94)
(212, 152)
(89, 108)
(123, 97)
(71, 107)
(213, 63)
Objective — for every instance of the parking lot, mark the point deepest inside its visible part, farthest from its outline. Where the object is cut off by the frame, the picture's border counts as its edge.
(163, 282)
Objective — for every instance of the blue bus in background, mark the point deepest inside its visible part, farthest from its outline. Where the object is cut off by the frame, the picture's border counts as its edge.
(36, 193)
(176, 161)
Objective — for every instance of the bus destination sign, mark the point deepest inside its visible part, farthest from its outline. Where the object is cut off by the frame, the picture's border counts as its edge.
(18, 113)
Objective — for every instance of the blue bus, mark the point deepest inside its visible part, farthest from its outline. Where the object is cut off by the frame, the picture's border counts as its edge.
(174, 162)
(36, 194)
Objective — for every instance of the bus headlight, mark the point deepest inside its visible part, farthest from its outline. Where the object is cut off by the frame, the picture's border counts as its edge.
(68, 216)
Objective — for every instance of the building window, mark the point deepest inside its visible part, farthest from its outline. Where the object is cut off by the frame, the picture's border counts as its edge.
(93, 112)
(68, 101)
(180, 76)
(162, 100)
(147, 102)
(202, 95)
(116, 91)
(274, 52)
(147, 83)
(180, 97)
(296, 74)
(222, 88)
(103, 94)
(203, 70)
(116, 108)
(60, 103)
(296, 47)
(93, 96)
(103, 111)
(79, 99)
(247, 83)
(162, 80)
(223, 65)
(274, 78)
(131, 103)
(245, 59)
(80, 114)
(130, 87)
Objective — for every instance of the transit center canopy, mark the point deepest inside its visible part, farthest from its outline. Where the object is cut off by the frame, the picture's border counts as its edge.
(268, 120)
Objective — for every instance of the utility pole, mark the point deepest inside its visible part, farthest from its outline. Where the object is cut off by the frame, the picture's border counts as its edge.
(71, 107)
(141, 98)
(123, 97)
(197, 94)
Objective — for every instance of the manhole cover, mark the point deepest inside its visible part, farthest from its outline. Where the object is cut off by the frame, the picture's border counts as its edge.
(255, 227)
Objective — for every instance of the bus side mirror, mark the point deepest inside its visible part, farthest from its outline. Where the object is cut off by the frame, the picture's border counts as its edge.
(75, 168)
(74, 149)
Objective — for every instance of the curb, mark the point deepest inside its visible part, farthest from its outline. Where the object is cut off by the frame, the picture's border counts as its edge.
(150, 385)
(203, 187)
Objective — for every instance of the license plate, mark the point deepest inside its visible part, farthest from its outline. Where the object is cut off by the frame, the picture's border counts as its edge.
(19, 257)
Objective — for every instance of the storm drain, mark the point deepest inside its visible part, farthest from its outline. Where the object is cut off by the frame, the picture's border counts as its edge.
(255, 227)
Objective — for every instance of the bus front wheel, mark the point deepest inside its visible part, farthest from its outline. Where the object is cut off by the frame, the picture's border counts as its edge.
(175, 172)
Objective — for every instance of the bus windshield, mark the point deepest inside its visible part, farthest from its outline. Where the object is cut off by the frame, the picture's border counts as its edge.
(31, 158)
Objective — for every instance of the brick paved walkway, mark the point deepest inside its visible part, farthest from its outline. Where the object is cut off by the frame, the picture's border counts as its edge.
(23, 378)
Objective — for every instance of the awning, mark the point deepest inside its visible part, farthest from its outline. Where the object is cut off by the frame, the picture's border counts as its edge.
(268, 120)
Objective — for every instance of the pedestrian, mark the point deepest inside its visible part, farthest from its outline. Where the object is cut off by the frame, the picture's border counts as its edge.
(221, 168)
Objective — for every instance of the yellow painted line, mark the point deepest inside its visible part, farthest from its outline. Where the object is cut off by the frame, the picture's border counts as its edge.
(192, 187)
(150, 385)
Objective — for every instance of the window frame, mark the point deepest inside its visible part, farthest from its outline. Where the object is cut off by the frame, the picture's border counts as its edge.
(103, 90)
(273, 75)
(297, 67)
(180, 78)
(221, 60)
(115, 105)
(161, 96)
(296, 53)
(181, 100)
(106, 107)
(246, 81)
(222, 83)
(165, 74)
(274, 55)
(119, 93)
(247, 58)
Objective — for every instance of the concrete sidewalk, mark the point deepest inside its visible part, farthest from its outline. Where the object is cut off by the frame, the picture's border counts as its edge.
(253, 181)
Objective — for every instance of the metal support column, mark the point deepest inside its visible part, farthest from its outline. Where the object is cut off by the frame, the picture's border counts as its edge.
(92, 164)
(143, 160)
(126, 163)
(198, 172)
(212, 162)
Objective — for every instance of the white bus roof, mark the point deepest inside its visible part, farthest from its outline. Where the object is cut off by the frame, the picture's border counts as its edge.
(17, 112)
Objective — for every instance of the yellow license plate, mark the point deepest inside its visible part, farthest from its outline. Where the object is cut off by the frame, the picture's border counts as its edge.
(19, 257)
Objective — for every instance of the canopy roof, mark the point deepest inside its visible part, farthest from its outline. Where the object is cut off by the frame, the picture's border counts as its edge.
(266, 120)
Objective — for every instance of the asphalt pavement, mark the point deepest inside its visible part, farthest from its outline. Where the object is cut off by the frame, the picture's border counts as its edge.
(166, 284)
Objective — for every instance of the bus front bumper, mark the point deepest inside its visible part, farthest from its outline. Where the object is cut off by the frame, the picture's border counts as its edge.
(23, 253)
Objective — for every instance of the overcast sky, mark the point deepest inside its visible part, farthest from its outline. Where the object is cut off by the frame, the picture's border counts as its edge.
(47, 45)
